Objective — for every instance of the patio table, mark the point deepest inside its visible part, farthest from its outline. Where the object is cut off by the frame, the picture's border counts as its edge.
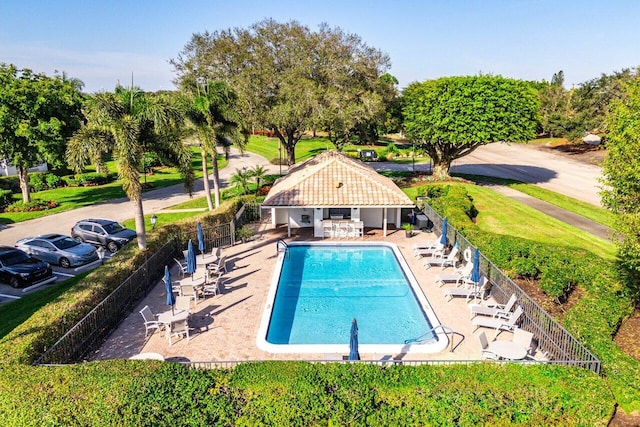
(204, 260)
(507, 349)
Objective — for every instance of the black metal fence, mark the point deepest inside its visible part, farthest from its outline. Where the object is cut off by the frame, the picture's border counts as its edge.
(552, 339)
(91, 331)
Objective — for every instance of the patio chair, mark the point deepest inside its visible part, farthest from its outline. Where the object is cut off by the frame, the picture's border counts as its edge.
(475, 292)
(212, 286)
(178, 328)
(436, 251)
(221, 265)
(498, 324)
(183, 302)
(484, 345)
(448, 261)
(525, 339)
(189, 291)
(459, 276)
(494, 310)
(150, 322)
(182, 267)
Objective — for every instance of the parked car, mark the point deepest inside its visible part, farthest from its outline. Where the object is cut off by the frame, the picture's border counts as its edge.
(58, 249)
(104, 233)
(18, 269)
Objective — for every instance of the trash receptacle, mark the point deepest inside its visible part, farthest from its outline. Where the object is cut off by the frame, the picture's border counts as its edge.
(422, 221)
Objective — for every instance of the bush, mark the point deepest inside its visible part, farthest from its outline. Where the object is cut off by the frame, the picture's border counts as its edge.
(32, 206)
(11, 183)
(53, 180)
(93, 178)
(37, 181)
(6, 197)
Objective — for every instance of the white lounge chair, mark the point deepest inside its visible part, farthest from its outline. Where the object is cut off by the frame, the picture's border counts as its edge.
(182, 267)
(494, 310)
(448, 261)
(434, 251)
(475, 292)
(150, 321)
(498, 324)
(183, 302)
(428, 244)
(220, 266)
(459, 276)
(212, 285)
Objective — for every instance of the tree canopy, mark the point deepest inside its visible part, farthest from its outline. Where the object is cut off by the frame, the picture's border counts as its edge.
(289, 78)
(621, 174)
(37, 115)
(452, 116)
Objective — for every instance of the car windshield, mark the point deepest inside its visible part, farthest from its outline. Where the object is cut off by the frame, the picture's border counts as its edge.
(113, 228)
(13, 258)
(66, 243)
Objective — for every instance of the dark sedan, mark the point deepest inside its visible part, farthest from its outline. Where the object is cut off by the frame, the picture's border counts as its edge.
(58, 249)
(18, 269)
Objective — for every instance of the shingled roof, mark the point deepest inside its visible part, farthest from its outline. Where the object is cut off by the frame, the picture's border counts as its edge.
(333, 179)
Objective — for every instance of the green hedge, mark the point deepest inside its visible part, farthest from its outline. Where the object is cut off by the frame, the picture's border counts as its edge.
(138, 393)
(6, 198)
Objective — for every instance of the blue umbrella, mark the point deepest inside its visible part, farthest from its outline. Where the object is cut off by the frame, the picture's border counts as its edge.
(475, 273)
(191, 259)
(200, 238)
(443, 238)
(353, 341)
(171, 299)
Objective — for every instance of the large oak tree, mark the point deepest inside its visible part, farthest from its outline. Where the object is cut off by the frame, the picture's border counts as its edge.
(289, 78)
(37, 116)
(452, 116)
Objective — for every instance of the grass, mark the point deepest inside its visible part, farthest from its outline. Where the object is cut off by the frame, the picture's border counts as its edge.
(501, 215)
(587, 210)
(69, 198)
(16, 312)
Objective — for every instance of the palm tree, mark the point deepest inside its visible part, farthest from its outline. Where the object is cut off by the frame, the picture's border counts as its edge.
(210, 108)
(125, 123)
(258, 173)
(241, 178)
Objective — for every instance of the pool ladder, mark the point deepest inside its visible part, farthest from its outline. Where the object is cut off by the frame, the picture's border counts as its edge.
(422, 338)
(281, 246)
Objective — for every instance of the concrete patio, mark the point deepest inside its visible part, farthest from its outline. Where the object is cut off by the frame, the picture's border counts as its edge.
(225, 326)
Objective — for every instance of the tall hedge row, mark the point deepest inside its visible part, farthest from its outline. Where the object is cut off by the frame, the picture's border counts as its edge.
(141, 393)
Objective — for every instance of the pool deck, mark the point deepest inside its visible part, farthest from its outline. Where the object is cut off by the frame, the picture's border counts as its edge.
(225, 326)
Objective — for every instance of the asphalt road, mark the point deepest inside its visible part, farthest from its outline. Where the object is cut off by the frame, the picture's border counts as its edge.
(555, 172)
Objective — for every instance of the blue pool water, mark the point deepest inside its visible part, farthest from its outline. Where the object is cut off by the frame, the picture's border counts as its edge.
(322, 288)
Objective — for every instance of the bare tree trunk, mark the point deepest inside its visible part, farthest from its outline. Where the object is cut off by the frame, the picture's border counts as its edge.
(441, 170)
(23, 176)
(140, 229)
(216, 177)
(205, 177)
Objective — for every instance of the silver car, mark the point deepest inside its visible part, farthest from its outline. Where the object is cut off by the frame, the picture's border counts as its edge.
(58, 249)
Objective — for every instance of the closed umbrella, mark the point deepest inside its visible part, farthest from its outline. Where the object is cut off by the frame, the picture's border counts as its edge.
(171, 299)
(191, 259)
(353, 341)
(200, 238)
(443, 238)
(475, 272)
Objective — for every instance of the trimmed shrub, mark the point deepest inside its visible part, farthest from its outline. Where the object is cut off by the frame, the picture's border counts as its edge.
(93, 178)
(32, 206)
(37, 181)
(6, 198)
(53, 180)
(11, 183)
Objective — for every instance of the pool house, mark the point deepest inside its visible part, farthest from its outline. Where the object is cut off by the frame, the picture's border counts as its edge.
(337, 196)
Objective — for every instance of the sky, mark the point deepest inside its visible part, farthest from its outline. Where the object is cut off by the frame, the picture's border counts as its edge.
(103, 43)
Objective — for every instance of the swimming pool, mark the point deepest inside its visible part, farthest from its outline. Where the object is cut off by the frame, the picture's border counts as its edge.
(317, 288)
